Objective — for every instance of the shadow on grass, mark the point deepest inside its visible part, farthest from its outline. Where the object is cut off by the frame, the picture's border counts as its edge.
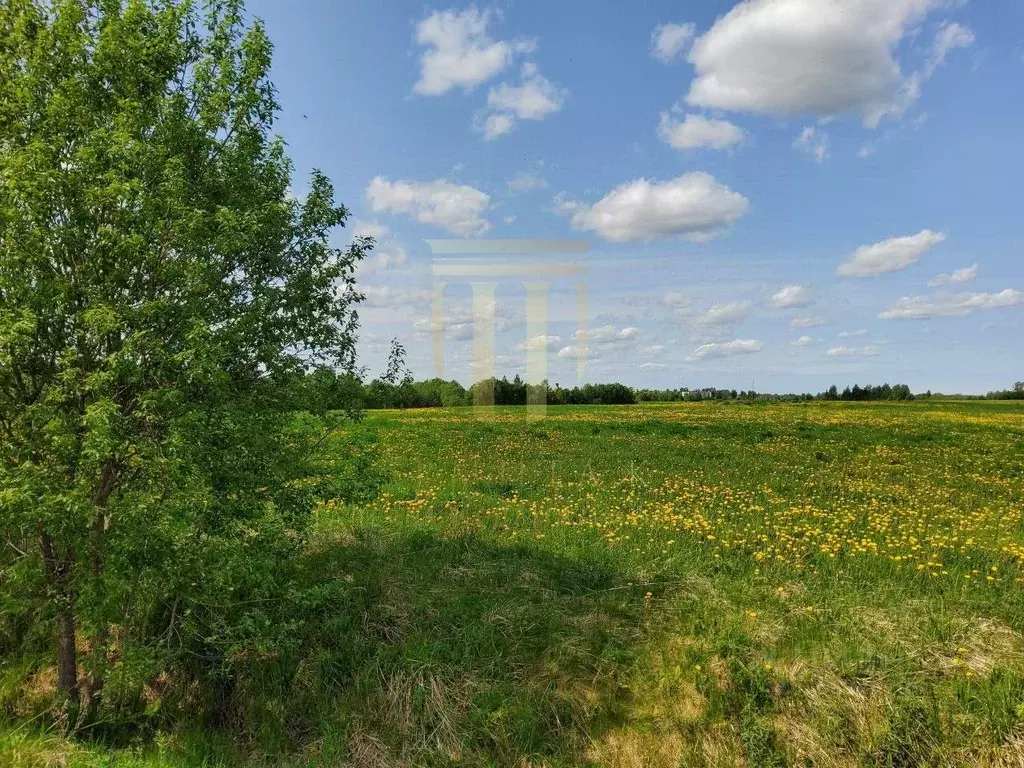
(431, 651)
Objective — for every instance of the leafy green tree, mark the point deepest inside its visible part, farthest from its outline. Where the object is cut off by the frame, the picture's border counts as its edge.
(397, 371)
(161, 291)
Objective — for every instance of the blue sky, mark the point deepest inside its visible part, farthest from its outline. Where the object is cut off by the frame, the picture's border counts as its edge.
(780, 194)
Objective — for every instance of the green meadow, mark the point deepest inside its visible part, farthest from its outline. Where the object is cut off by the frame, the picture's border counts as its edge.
(653, 585)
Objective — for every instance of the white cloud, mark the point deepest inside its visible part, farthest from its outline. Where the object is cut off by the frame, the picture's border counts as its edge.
(727, 349)
(677, 300)
(803, 341)
(387, 252)
(792, 296)
(956, 277)
(806, 321)
(524, 182)
(866, 151)
(373, 229)
(539, 342)
(719, 321)
(496, 124)
(607, 335)
(440, 203)
(670, 40)
(951, 304)
(654, 350)
(459, 53)
(853, 334)
(814, 142)
(819, 57)
(653, 366)
(389, 296)
(889, 255)
(534, 98)
(458, 319)
(949, 37)
(696, 131)
(853, 351)
(574, 352)
(510, 219)
(694, 205)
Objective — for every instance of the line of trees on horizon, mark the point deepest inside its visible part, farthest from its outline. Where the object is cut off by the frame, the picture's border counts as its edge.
(402, 392)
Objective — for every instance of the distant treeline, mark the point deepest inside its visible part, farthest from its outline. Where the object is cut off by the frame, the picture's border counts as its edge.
(1017, 393)
(344, 391)
(438, 393)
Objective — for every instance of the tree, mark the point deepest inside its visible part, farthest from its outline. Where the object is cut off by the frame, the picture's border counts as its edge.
(397, 371)
(161, 291)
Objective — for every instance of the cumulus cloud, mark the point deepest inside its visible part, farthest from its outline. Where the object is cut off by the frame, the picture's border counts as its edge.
(806, 321)
(956, 277)
(792, 296)
(852, 351)
(803, 341)
(392, 297)
(539, 342)
(814, 142)
(670, 40)
(459, 53)
(653, 366)
(524, 182)
(373, 229)
(950, 304)
(676, 300)
(574, 352)
(607, 335)
(727, 349)
(458, 320)
(694, 206)
(720, 320)
(889, 255)
(654, 350)
(696, 131)
(534, 98)
(388, 252)
(819, 57)
(853, 334)
(455, 207)
(496, 124)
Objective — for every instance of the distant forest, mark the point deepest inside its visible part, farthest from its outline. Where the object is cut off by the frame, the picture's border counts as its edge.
(404, 392)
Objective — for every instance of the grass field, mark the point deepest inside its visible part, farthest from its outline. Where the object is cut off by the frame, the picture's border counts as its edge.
(657, 585)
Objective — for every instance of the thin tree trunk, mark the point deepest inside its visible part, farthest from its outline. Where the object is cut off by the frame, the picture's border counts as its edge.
(58, 574)
(67, 654)
(108, 478)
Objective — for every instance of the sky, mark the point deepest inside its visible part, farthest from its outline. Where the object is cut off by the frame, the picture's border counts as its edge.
(776, 194)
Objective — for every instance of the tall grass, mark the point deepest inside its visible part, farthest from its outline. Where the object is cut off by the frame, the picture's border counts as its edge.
(662, 585)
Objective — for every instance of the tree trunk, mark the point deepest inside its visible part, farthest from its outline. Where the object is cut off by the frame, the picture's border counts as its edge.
(107, 481)
(58, 575)
(67, 655)
(94, 691)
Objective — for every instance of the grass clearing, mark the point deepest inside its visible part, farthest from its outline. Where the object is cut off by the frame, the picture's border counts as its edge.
(656, 585)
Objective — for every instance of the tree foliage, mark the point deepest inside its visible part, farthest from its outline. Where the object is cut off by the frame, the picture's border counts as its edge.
(392, 391)
(161, 292)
